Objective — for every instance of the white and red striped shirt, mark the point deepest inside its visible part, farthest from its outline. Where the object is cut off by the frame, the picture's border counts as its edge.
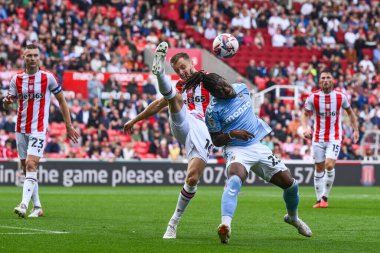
(327, 109)
(33, 93)
(197, 100)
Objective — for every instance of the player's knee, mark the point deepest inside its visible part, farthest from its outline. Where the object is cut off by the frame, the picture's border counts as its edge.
(192, 180)
(31, 165)
(330, 166)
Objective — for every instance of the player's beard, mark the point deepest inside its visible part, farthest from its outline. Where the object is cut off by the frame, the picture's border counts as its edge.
(32, 68)
(326, 89)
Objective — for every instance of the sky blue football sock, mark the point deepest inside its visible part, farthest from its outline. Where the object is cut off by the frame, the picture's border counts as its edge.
(292, 199)
(229, 197)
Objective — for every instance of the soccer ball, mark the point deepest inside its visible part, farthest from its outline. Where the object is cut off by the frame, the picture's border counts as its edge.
(225, 45)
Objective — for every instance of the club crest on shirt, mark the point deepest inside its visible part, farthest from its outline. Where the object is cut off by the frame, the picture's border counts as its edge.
(211, 121)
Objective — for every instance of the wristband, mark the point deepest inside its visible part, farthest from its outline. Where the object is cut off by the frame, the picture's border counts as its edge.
(229, 136)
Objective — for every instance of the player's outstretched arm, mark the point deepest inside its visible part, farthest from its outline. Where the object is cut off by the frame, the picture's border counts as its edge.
(72, 134)
(354, 123)
(306, 132)
(152, 109)
(220, 139)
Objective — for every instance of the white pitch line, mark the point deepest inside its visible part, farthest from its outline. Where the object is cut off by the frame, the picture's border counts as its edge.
(23, 233)
(38, 230)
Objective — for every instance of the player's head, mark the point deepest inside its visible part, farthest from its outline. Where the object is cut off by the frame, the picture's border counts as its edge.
(326, 81)
(182, 65)
(31, 56)
(214, 83)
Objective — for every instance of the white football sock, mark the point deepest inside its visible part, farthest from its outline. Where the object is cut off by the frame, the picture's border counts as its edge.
(184, 199)
(319, 184)
(329, 181)
(28, 189)
(227, 220)
(165, 86)
(36, 197)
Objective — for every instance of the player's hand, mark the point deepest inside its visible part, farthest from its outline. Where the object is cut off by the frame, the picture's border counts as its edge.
(356, 136)
(242, 135)
(128, 127)
(307, 134)
(8, 100)
(72, 134)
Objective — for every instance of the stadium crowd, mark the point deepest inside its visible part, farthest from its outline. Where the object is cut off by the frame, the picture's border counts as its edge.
(110, 36)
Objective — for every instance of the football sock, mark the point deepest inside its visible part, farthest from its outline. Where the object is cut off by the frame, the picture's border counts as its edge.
(36, 197)
(226, 220)
(179, 117)
(184, 198)
(319, 184)
(329, 181)
(229, 198)
(165, 86)
(292, 199)
(28, 189)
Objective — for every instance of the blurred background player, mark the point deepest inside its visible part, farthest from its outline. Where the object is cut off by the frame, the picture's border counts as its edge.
(33, 88)
(187, 112)
(233, 124)
(326, 104)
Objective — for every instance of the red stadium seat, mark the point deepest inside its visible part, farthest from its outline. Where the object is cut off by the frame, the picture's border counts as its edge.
(147, 156)
(141, 147)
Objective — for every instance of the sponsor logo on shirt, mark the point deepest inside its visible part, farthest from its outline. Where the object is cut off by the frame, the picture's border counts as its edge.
(238, 112)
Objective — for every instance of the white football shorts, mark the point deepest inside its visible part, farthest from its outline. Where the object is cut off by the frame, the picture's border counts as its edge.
(256, 157)
(193, 133)
(30, 144)
(323, 150)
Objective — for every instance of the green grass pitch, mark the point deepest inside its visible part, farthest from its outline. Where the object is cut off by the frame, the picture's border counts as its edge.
(133, 219)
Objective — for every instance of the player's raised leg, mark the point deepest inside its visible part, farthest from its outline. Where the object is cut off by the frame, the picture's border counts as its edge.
(164, 85)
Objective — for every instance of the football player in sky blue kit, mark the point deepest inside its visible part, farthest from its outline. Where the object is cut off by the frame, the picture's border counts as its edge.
(233, 124)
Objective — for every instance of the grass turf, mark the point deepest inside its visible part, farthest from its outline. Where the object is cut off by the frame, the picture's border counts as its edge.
(133, 219)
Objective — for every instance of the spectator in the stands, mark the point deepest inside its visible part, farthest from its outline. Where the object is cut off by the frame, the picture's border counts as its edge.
(252, 70)
(210, 32)
(84, 114)
(9, 125)
(94, 87)
(259, 40)
(132, 87)
(53, 145)
(112, 85)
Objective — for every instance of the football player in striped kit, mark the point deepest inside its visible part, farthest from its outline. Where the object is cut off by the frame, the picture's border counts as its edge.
(32, 89)
(326, 105)
(187, 122)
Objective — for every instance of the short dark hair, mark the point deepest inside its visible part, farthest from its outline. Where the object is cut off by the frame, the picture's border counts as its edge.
(327, 71)
(31, 46)
(176, 57)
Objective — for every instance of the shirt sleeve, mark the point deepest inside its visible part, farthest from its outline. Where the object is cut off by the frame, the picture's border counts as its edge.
(54, 86)
(309, 106)
(12, 87)
(345, 102)
(212, 122)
